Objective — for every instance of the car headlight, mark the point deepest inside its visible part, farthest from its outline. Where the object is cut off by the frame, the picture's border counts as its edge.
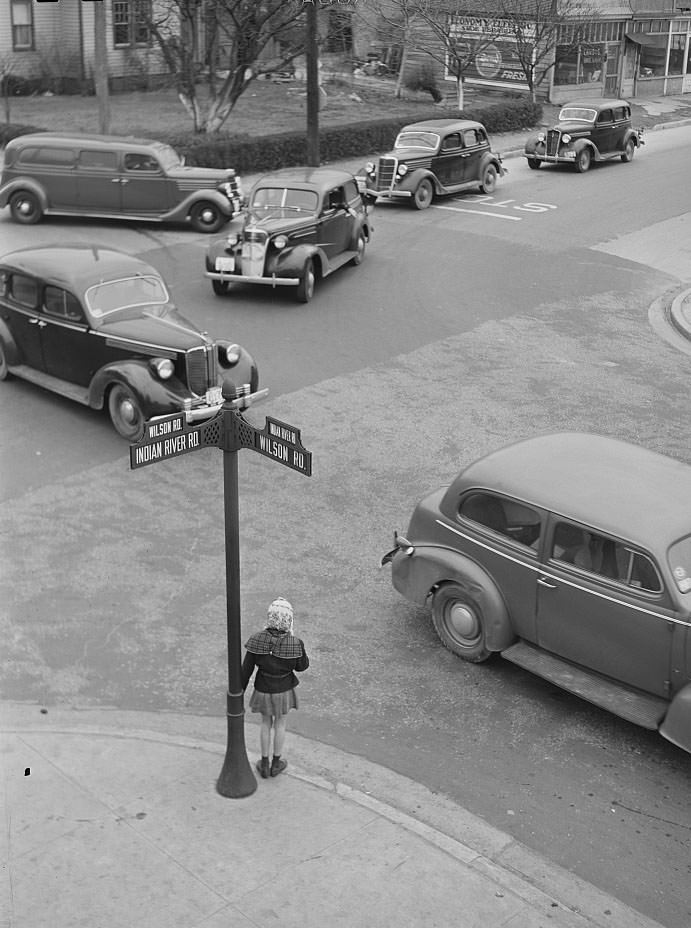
(281, 241)
(369, 167)
(232, 239)
(163, 367)
(541, 137)
(566, 139)
(232, 354)
(402, 169)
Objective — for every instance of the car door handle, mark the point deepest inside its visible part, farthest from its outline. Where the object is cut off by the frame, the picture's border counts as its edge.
(550, 586)
(39, 322)
(115, 180)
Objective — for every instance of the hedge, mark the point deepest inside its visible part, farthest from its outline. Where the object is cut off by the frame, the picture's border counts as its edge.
(249, 154)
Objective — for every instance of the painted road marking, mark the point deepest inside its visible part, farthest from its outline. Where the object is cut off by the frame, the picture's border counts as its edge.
(479, 212)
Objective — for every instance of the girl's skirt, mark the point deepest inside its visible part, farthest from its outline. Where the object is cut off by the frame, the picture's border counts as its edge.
(273, 703)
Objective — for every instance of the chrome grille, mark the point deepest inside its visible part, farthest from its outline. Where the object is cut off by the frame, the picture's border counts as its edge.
(553, 140)
(386, 172)
(201, 369)
(255, 235)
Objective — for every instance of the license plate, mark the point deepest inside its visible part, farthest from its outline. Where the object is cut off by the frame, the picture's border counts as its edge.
(225, 265)
(214, 396)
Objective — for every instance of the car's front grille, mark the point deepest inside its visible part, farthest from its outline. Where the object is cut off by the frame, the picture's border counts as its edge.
(255, 235)
(386, 172)
(553, 140)
(201, 369)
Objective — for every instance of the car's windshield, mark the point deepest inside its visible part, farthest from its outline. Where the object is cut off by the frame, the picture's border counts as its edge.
(284, 198)
(412, 139)
(113, 295)
(580, 113)
(679, 558)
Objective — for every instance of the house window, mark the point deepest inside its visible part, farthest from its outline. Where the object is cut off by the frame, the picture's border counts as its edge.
(22, 25)
(131, 22)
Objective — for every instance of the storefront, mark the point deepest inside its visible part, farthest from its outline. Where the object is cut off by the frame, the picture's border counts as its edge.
(657, 58)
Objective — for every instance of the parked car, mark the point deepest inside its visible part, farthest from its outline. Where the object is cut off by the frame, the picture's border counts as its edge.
(98, 326)
(586, 131)
(436, 157)
(570, 555)
(113, 178)
(301, 224)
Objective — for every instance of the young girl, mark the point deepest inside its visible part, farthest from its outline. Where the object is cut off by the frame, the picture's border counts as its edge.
(276, 653)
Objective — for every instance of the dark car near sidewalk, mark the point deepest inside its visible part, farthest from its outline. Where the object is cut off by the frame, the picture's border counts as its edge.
(300, 225)
(586, 131)
(110, 177)
(569, 555)
(437, 157)
(99, 327)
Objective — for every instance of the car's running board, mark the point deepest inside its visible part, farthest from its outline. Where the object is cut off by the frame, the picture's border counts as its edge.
(639, 708)
(54, 384)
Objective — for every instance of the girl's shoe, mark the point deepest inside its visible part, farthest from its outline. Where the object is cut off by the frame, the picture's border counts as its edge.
(263, 767)
(278, 766)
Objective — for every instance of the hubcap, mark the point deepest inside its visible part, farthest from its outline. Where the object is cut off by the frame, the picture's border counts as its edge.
(128, 412)
(25, 207)
(207, 215)
(462, 621)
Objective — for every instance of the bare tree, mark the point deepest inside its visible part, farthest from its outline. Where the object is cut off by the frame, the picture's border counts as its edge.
(230, 42)
(539, 26)
(6, 84)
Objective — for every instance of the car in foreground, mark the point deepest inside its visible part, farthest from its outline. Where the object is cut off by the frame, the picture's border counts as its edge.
(586, 131)
(570, 555)
(300, 225)
(110, 177)
(98, 326)
(436, 157)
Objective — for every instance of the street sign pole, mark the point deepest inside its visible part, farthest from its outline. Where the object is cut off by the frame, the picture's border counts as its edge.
(236, 779)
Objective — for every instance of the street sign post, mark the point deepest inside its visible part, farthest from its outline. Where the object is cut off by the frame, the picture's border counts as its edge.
(169, 436)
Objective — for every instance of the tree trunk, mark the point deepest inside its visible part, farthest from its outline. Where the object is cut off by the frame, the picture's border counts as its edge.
(101, 69)
(459, 92)
(191, 105)
(401, 68)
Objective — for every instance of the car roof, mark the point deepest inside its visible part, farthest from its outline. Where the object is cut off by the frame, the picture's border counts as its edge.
(599, 104)
(98, 141)
(621, 488)
(76, 266)
(319, 178)
(443, 125)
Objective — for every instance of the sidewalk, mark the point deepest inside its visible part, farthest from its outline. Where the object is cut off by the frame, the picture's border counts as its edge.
(113, 821)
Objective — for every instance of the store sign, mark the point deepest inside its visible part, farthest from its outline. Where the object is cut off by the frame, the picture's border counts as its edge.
(492, 51)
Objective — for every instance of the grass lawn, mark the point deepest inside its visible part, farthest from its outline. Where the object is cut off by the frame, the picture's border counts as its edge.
(264, 108)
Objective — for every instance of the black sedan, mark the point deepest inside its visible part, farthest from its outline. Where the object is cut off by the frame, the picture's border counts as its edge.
(98, 326)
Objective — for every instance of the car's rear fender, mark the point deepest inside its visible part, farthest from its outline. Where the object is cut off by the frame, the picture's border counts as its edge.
(12, 353)
(156, 397)
(676, 726)
(23, 183)
(492, 158)
(419, 575)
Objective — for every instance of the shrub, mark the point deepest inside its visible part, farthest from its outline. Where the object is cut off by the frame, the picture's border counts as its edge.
(9, 131)
(424, 78)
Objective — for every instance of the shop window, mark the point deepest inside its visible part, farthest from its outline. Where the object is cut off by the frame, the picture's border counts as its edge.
(131, 22)
(676, 54)
(22, 25)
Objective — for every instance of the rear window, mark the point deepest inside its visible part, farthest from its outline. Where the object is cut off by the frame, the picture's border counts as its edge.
(50, 156)
(679, 559)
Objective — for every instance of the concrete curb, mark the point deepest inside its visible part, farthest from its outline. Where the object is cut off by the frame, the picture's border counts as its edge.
(677, 315)
(513, 868)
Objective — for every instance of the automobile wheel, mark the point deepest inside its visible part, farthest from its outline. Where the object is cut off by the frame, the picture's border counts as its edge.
(125, 413)
(459, 623)
(534, 164)
(629, 151)
(360, 250)
(422, 198)
(305, 290)
(489, 179)
(206, 217)
(220, 287)
(4, 369)
(25, 207)
(583, 160)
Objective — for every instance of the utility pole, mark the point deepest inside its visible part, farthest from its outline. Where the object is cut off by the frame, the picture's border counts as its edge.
(312, 62)
(101, 67)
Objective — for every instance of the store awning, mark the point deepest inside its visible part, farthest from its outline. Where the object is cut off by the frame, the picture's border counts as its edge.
(658, 40)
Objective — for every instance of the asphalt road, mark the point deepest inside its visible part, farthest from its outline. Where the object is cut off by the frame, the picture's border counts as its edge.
(476, 323)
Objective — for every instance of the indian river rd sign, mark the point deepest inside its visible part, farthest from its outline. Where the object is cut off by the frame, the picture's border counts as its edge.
(167, 437)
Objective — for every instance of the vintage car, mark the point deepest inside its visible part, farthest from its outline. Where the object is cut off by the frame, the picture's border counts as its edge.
(434, 158)
(98, 326)
(300, 224)
(586, 131)
(113, 178)
(570, 555)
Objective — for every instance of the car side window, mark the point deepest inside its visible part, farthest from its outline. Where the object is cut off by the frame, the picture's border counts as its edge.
(23, 290)
(62, 304)
(351, 191)
(451, 142)
(56, 157)
(508, 517)
(470, 138)
(620, 112)
(335, 199)
(598, 554)
(136, 161)
(95, 158)
(605, 116)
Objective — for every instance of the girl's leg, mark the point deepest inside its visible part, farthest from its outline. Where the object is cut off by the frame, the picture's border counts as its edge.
(265, 734)
(280, 722)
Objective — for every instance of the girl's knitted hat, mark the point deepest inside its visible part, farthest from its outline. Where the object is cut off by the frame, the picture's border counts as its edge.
(280, 615)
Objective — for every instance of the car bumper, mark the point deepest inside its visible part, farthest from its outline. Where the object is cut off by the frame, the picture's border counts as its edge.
(243, 279)
(390, 194)
(566, 157)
